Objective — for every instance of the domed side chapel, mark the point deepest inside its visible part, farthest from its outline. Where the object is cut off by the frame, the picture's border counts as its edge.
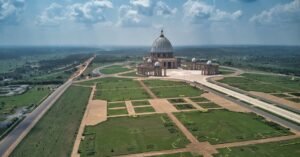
(161, 58)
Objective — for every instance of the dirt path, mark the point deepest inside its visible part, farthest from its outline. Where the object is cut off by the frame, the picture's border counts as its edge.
(130, 108)
(277, 99)
(95, 113)
(157, 153)
(252, 142)
(224, 103)
(194, 104)
(203, 148)
(162, 106)
(147, 89)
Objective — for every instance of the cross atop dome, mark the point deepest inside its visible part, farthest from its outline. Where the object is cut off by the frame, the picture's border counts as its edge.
(162, 33)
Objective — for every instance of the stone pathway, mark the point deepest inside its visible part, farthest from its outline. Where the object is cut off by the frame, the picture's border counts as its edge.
(147, 89)
(224, 103)
(194, 104)
(252, 142)
(130, 108)
(162, 106)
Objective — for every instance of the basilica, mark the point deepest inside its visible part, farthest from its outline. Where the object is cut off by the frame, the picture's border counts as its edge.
(161, 58)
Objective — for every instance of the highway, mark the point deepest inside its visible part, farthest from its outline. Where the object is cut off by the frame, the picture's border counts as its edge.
(194, 76)
(10, 142)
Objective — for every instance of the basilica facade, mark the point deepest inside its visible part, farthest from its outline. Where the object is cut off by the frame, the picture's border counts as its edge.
(161, 58)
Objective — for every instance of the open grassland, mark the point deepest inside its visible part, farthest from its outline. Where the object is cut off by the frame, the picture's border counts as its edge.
(128, 135)
(114, 112)
(170, 89)
(159, 83)
(54, 134)
(114, 69)
(132, 74)
(91, 67)
(223, 126)
(184, 154)
(117, 83)
(28, 99)
(140, 103)
(176, 91)
(146, 109)
(121, 94)
(289, 148)
(208, 105)
(116, 104)
(119, 89)
(264, 83)
(184, 106)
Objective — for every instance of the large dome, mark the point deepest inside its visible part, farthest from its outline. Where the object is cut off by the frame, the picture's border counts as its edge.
(161, 45)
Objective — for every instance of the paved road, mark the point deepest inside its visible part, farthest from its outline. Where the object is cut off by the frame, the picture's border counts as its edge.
(9, 143)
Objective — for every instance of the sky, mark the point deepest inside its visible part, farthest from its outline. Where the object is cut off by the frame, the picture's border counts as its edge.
(138, 22)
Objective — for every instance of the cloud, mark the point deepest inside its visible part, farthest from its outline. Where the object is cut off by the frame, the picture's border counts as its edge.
(282, 13)
(246, 1)
(88, 13)
(129, 17)
(52, 16)
(199, 12)
(138, 12)
(10, 10)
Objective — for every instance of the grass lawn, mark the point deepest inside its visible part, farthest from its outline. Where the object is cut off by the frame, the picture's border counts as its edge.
(176, 100)
(199, 99)
(121, 94)
(223, 126)
(171, 92)
(140, 103)
(114, 69)
(55, 133)
(128, 135)
(296, 100)
(208, 105)
(31, 97)
(264, 83)
(289, 148)
(184, 154)
(117, 104)
(133, 74)
(184, 106)
(144, 109)
(117, 112)
(159, 83)
(117, 83)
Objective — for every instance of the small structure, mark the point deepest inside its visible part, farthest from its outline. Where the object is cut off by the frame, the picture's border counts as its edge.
(207, 68)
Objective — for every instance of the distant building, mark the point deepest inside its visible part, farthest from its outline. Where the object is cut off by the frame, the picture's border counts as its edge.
(161, 58)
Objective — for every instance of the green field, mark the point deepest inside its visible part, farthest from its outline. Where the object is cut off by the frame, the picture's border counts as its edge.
(121, 95)
(264, 83)
(185, 154)
(176, 91)
(199, 99)
(184, 106)
(208, 105)
(115, 112)
(117, 83)
(223, 126)
(128, 135)
(288, 148)
(55, 133)
(114, 69)
(177, 100)
(28, 99)
(131, 74)
(140, 103)
(159, 83)
(144, 109)
(91, 67)
(119, 89)
(117, 104)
